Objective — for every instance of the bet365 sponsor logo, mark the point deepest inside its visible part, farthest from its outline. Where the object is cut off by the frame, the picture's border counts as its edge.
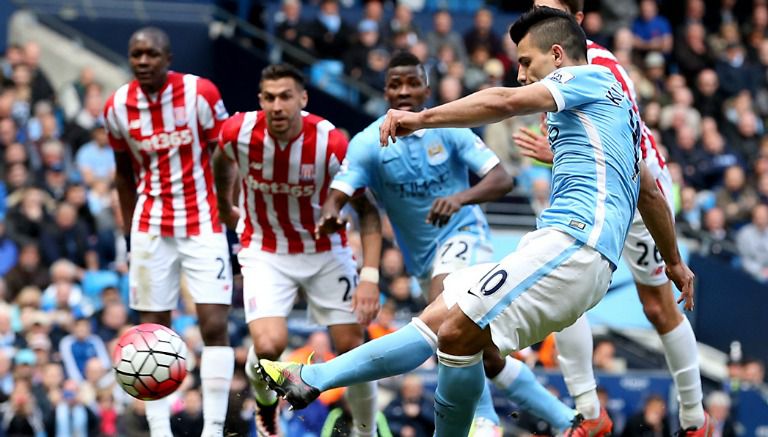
(167, 140)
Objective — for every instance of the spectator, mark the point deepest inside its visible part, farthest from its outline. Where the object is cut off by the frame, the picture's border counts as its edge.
(449, 89)
(288, 27)
(108, 414)
(443, 34)
(135, 420)
(189, 421)
(686, 154)
(402, 24)
(482, 34)
(68, 238)
(72, 416)
(80, 346)
(28, 215)
(707, 96)
(95, 160)
(753, 372)
(110, 319)
(40, 85)
(692, 51)
(736, 198)
(328, 32)
(718, 405)
(594, 29)
(716, 156)
(735, 72)
(652, 31)
(752, 242)
(20, 414)
(400, 292)
(356, 59)
(6, 376)
(717, 240)
(652, 421)
(746, 137)
(9, 133)
(411, 413)
(10, 341)
(475, 75)
(604, 356)
(72, 97)
(9, 253)
(28, 271)
(383, 324)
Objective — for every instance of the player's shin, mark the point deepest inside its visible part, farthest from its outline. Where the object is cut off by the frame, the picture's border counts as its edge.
(683, 362)
(159, 417)
(216, 368)
(393, 354)
(264, 395)
(574, 346)
(460, 382)
(518, 382)
(362, 404)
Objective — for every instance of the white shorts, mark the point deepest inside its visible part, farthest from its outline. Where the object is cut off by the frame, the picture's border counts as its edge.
(157, 264)
(542, 287)
(640, 250)
(271, 283)
(462, 250)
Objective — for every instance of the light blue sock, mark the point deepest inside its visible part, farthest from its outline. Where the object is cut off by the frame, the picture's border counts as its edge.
(393, 354)
(521, 386)
(458, 392)
(485, 405)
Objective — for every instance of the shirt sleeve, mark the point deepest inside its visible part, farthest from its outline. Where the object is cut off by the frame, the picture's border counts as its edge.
(228, 135)
(115, 137)
(211, 112)
(473, 151)
(353, 173)
(573, 86)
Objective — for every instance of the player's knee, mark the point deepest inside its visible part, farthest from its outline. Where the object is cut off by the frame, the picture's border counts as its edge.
(268, 347)
(214, 332)
(654, 311)
(449, 336)
(493, 362)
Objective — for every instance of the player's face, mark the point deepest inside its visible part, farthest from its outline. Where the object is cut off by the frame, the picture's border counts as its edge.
(534, 63)
(282, 101)
(406, 88)
(149, 62)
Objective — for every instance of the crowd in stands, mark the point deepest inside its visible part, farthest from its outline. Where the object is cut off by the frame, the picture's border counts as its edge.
(701, 83)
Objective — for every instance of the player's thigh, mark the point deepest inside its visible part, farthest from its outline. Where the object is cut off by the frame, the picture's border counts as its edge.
(153, 272)
(542, 287)
(205, 263)
(642, 256)
(329, 291)
(269, 287)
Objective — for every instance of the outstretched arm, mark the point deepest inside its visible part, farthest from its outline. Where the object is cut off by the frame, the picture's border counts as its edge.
(658, 220)
(483, 107)
(496, 183)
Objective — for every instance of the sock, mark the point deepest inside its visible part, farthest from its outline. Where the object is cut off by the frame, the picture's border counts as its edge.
(159, 417)
(362, 405)
(460, 381)
(521, 386)
(392, 354)
(485, 405)
(217, 365)
(683, 362)
(261, 391)
(574, 347)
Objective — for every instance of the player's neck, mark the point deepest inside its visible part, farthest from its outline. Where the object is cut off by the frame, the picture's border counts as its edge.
(290, 135)
(154, 88)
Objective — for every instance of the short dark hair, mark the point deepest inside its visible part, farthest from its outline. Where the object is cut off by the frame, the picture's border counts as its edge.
(155, 33)
(279, 71)
(407, 59)
(548, 27)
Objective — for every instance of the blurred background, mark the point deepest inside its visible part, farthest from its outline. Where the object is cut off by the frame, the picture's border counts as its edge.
(701, 73)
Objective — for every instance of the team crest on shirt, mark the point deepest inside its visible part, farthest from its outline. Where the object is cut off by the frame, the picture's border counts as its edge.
(436, 154)
(307, 172)
(180, 116)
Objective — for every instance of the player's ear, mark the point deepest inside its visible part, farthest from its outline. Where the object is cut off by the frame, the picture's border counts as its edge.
(304, 98)
(558, 53)
(579, 16)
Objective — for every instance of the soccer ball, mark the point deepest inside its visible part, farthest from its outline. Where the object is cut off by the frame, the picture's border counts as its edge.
(150, 361)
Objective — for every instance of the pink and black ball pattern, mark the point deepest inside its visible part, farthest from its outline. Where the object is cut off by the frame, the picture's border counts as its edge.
(150, 361)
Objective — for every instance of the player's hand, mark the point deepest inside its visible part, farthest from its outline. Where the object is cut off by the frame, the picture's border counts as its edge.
(682, 276)
(230, 215)
(442, 210)
(330, 223)
(365, 302)
(397, 124)
(534, 145)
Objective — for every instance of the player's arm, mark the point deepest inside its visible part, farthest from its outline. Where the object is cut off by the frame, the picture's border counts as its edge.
(366, 301)
(483, 107)
(330, 214)
(225, 179)
(495, 184)
(658, 219)
(125, 183)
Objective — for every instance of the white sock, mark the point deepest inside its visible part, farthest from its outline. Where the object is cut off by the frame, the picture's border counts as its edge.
(159, 417)
(508, 374)
(217, 365)
(362, 404)
(683, 361)
(574, 348)
(264, 395)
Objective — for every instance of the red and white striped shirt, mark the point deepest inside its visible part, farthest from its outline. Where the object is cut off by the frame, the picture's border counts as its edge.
(168, 137)
(284, 185)
(599, 55)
